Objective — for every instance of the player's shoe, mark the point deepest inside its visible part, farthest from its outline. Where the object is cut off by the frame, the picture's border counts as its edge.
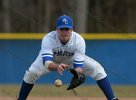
(115, 99)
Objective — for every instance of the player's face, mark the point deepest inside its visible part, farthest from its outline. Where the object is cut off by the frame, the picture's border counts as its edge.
(64, 34)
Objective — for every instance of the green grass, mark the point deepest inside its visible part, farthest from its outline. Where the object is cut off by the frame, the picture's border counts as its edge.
(51, 90)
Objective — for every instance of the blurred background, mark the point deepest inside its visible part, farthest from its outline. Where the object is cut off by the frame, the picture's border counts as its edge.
(88, 15)
(108, 27)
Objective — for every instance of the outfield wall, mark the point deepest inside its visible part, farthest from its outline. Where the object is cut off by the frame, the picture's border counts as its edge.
(116, 55)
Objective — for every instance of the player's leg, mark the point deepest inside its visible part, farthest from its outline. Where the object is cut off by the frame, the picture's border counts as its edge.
(24, 90)
(27, 84)
(29, 80)
(96, 71)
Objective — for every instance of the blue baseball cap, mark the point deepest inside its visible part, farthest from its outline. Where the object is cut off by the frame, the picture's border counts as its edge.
(64, 21)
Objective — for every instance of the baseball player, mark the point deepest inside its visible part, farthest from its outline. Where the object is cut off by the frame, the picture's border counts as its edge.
(61, 49)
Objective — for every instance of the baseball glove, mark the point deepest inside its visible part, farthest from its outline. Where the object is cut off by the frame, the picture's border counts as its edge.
(77, 79)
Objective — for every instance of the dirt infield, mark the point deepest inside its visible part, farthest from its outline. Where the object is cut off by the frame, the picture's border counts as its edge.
(62, 98)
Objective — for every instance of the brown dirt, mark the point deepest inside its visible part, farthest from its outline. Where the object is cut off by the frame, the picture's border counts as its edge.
(63, 98)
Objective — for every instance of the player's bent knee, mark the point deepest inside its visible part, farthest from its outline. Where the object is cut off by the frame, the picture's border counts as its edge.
(100, 73)
(97, 72)
(100, 76)
(30, 77)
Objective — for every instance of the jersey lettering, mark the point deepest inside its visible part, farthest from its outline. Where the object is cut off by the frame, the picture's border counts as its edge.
(65, 53)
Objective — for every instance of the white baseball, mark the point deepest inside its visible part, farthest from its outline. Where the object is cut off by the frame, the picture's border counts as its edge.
(58, 83)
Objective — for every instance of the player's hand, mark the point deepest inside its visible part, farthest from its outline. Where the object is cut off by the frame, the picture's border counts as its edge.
(61, 68)
(77, 79)
(78, 69)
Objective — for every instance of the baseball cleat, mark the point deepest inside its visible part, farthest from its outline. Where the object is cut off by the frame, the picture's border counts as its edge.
(115, 99)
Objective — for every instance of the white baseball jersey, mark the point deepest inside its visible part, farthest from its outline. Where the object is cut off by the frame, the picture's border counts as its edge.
(52, 49)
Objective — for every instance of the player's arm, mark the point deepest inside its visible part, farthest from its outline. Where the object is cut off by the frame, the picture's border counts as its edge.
(78, 57)
(78, 68)
(47, 56)
(52, 66)
(78, 77)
